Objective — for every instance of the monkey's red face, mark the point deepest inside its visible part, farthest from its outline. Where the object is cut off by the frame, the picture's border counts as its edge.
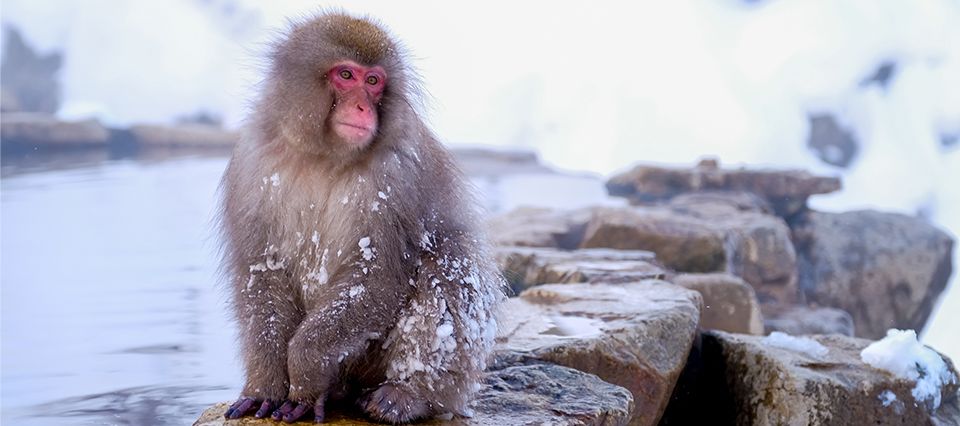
(357, 91)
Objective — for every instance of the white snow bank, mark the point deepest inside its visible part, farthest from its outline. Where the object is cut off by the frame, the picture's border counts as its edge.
(804, 345)
(901, 354)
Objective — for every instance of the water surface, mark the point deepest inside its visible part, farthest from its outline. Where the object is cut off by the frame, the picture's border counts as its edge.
(110, 311)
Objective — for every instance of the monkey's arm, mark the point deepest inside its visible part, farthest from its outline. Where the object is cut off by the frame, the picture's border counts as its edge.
(266, 318)
(439, 347)
(352, 311)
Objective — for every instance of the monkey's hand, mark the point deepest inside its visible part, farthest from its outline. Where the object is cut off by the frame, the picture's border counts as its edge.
(394, 403)
(246, 403)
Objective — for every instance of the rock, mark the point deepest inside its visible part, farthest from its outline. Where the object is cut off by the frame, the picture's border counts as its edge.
(29, 80)
(539, 227)
(729, 303)
(548, 394)
(710, 237)
(757, 245)
(525, 267)
(887, 270)
(800, 320)
(183, 135)
(632, 335)
(681, 242)
(785, 190)
(755, 382)
(519, 394)
(29, 131)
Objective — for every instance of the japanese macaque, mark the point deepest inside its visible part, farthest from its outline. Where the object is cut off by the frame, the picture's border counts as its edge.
(358, 270)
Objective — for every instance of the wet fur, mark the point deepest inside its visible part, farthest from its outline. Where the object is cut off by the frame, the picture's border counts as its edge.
(315, 310)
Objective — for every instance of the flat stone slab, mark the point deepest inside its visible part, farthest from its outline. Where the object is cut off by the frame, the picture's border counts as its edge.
(525, 267)
(512, 395)
(785, 190)
(633, 335)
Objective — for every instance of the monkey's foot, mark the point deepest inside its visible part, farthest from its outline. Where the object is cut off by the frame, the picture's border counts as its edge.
(393, 404)
(292, 411)
(243, 406)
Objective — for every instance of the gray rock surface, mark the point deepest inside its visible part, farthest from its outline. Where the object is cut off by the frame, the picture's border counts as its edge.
(513, 395)
(887, 270)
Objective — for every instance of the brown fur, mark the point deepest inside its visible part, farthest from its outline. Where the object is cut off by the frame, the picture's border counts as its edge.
(409, 313)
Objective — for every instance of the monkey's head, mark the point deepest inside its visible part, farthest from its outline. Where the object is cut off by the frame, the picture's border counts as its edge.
(334, 79)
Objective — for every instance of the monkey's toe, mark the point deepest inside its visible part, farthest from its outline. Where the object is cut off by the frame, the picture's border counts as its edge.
(239, 408)
(265, 409)
(291, 411)
(393, 404)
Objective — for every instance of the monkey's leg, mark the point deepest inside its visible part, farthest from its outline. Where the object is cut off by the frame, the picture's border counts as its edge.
(266, 317)
(333, 337)
(438, 349)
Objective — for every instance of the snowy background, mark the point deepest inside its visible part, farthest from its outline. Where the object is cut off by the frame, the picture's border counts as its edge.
(590, 86)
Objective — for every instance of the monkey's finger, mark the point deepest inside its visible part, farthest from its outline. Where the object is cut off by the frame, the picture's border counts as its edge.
(284, 409)
(296, 414)
(265, 409)
(239, 408)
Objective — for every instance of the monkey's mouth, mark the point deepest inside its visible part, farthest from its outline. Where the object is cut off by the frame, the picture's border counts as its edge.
(355, 126)
(356, 132)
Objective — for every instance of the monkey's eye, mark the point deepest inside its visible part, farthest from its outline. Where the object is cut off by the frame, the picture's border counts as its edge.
(372, 80)
(346, 74)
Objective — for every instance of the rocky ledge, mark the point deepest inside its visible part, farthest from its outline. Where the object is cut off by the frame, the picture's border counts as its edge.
(659, 312)
(23, 132)
(859, 272)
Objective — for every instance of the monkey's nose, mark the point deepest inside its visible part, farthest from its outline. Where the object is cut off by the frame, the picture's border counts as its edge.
(360, 107)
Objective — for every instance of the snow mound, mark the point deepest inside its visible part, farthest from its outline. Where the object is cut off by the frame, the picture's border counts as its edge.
(901, 354)
(804, 345)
